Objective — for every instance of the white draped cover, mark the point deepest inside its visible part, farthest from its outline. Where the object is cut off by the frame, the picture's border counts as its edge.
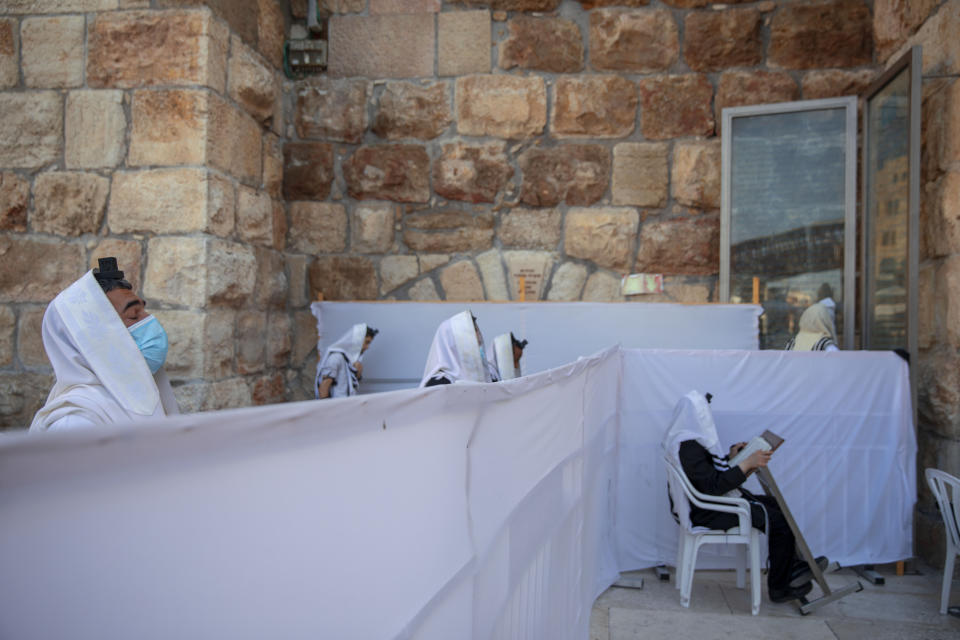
(480, 511)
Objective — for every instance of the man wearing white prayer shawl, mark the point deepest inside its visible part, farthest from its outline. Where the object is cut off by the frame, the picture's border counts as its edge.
(340, 371)
(817, 332)
(507, 351)
(692, 442)
(457, 354)
(107, 354)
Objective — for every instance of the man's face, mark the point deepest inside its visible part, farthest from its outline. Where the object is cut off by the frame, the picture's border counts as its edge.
(517, 354)
(366, 343)
(129, 306)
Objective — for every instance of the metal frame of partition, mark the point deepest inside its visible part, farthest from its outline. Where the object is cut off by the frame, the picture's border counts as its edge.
(849, 103)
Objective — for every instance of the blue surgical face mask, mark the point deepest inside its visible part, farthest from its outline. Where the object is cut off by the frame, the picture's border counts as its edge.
(151, 339)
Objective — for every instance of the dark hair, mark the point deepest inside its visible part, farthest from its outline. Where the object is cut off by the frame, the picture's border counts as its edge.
(109, 276)
(372, 333)
(825, 291)
(519, 344)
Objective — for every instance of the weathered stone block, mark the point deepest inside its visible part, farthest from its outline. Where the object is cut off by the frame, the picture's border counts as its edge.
(894, 21)
(594, 107)
(31, 129)
(543, 44)
(431, 261)
(95, 129)
(371, 228)
(575, 174)
(240, 15)
(640, 174)
(176, 271)
(297, 279)
(68, 203)
(273, 166)
(128, 255)
(384, 46)
(395, 271)
(680, 246)
(514, 5)
(51, 51)
(58, 6)
(304, 339)
(230, 273)
(29, 275)
(221, 205)
(832, 83)
(529, 269)
(234, 141)
(607, 236)
(531, 228)
(602, 286)
(331, 109)
(343, 278)
(254, 216)
(279, 225)
(463, 45)
(186, 335)
(423, 290)
(737, 88)
(158, 201)
(500, 105)
(408, 110)
(475, 173)
(567, 282)
(268, 390)
(645, 41)
(317, 227)
(681, 289)
(448, 232)
(169, 127)
(29, 339)
(395, 172)
(14, 198)
(307, 170)
(251, 341)
(494, 277)
(21, 396)
(219, 343)
(272, 286)
(817, 35)
(939, 392)
(593, 4)
(938, 36)
(715, 40)
(404, 6)
(926, 317)
(250, 81)
(271, 31)
(127, 49)
(279, 340)
(675, 106)
(696, 174)
(9, 53)
(8, 324)
(460, 281)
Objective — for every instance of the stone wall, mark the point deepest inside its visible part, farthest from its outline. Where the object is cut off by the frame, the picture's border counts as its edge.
(934, 25)
(149, 130)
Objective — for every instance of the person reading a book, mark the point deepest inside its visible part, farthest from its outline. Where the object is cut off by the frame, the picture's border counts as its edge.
(693, 442)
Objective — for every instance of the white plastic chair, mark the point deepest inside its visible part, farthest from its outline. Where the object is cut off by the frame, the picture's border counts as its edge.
(692, 537)
(946, 488)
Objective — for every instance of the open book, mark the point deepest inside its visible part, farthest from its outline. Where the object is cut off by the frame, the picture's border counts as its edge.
(766, 441)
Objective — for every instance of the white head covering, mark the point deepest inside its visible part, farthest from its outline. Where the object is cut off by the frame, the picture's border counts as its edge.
(815, 324)
(100, 373)
(350, 344)
(692, 420)
(455, 352)
(503, 357)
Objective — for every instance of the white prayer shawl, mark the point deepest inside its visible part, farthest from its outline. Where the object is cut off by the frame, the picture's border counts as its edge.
(503, 357)
(691, 420)
(815, 324)
(455, 353)
(349, 346)
(101, 376)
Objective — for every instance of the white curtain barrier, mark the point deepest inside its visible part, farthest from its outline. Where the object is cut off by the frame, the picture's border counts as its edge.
(482, 511)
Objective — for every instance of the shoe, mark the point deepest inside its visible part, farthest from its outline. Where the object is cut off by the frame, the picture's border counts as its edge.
(790, 593)
(802, 573)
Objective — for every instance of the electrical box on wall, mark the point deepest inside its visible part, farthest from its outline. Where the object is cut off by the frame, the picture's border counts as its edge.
(302, 58)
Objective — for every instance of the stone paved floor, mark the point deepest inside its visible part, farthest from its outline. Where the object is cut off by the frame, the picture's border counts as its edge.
(906, 607)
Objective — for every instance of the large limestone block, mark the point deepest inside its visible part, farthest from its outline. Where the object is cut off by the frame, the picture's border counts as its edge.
(404, 6)
(298, 8)
(575, 174)
(343, 278)
(606, 236)
(938, 36)
(502, 106)
(696, 174)
(58, 6)
(676, 105)
(219, 343)
(635, 41)
(514, 5)
(424, 290)
(254, 216)
(185, 356)
(926, 312)
(407, 110)
(331, 109)
(430, 261)
(29, 273)
(159, 201)
(494, 276)
(817, 35)
(31, 129)
(737, 88)
(128, 255)
(271, 30)
(939, 393)
(221, 205)
(169, 127)
(297, 280)
(716, 40)
(593, 107)
(176, 271)
(304, 340)
(234, 141)
(640, 174)
(463, 42)
(474, 173)
(279, 339)
(448, 232)
(371, 228)
(527, 273)
(895, 20)
(593, 4)
(273, 166)
(531, 228)
(51, 51)
(689, 246)
(567, 282)
(240, 15)
(308, 170)
(21, 396)
(395, 271)
(832, 83)
(383, 46)
(95, 128)
(8, 325)
(398, 172)
(68, 203)
(682, 289)
(268, 389)
(231, 273)
(317, 227)
(602, 286)
(272, 286)
(543, 44)
(30, 339)
(14, 198)
(9, 53)
(127, 49)
(460, 281)
(251, 341)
